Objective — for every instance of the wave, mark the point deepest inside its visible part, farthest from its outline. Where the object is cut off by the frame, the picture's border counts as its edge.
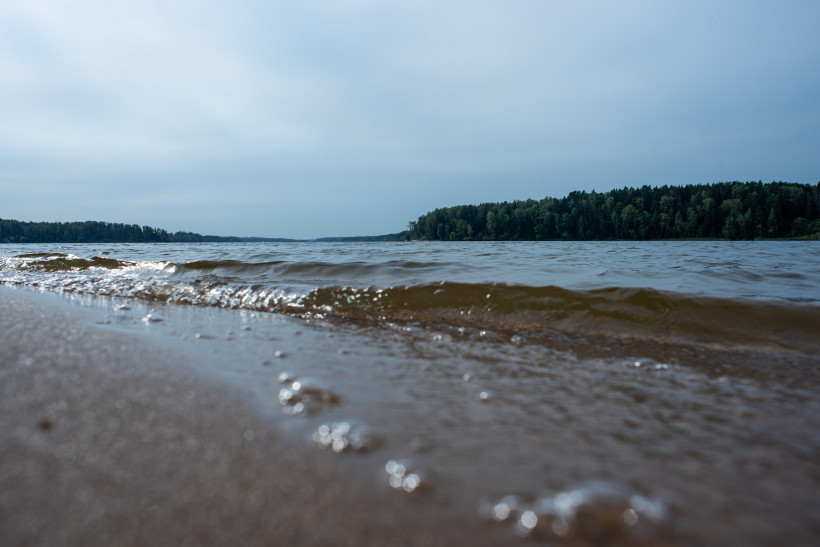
(283, 271)
(68, 263)
(41, 255)
(540, 312)
(622, 312)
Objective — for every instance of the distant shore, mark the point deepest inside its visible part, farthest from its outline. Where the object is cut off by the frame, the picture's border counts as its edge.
(113, 438)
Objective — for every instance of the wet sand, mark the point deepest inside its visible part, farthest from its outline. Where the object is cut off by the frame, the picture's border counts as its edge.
(113, 438)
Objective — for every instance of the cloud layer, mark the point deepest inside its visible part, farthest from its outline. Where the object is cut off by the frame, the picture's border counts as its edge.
(342, 118)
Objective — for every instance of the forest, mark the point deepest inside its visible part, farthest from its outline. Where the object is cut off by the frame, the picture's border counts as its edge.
(726, 210)
(15, 231)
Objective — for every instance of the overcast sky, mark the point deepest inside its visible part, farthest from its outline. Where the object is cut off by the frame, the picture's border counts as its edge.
(318, 118)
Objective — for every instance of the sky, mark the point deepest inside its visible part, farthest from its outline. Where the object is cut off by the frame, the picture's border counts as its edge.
(341, 118)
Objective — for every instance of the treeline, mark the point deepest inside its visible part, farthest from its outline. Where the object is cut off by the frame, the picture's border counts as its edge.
(14, 231)
(730, 210)
(399, 236)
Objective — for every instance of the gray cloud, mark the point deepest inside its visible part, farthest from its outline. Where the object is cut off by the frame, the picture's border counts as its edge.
(316, 118)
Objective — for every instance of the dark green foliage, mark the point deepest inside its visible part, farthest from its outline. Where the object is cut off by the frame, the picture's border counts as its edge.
(730, 210)
(400, 236)
(236, 239)
(221, 239)
(187, 237)
(79, 232)
(14, 231)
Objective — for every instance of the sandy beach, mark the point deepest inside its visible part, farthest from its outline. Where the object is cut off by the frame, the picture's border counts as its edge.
(115, 438)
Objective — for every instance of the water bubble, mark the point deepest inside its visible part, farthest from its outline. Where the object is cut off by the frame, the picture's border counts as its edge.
(484, 396)
(279, 354)
(316, 388)
(294, 409)
(506, 508)
(413, 481)
(286, 377)
(647, 364)
(542, 523)
(151, 318)
(397, 467)
(403, 475)
(305, 394)
(643, 362)
(287, 396)
(346, 436)
(597, 512)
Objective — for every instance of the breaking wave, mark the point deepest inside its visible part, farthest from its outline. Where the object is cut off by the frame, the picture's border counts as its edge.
(318, 290)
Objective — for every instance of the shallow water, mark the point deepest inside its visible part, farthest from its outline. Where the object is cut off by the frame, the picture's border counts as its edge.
(604, 393)
(757, 270)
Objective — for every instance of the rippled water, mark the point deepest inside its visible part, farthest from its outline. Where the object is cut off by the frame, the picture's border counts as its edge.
(758, 270)
(582, 393)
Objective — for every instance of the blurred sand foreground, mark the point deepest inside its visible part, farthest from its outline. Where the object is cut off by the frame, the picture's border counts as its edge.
(113, 438)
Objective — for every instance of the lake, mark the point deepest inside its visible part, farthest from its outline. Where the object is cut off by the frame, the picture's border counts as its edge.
(599, 392)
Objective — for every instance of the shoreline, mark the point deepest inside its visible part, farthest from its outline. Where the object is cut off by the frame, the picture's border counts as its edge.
(111, 437)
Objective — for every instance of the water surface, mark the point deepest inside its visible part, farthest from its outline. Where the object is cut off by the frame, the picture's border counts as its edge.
(623, 393)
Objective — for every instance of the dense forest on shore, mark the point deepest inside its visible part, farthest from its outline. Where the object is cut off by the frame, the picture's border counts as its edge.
(730, 210)
(79, 232)
(15, 231)
(400, 236)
